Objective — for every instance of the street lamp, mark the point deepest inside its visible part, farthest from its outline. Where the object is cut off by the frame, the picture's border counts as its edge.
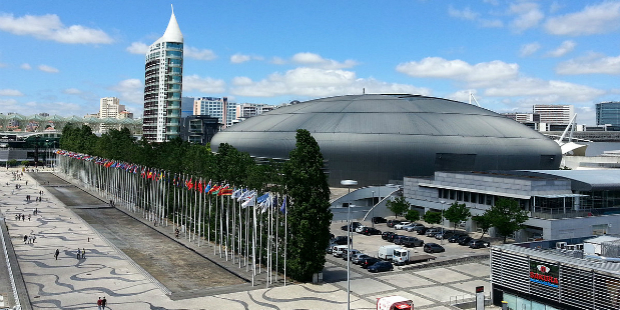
(348, 184)
(372, 207)
(443, 235)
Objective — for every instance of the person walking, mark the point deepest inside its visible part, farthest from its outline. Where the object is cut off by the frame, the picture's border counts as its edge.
(103, 303)
(25, 238)
(83, 253)
(78, 253)
(99, 302)
(56, 254)
(29, 217)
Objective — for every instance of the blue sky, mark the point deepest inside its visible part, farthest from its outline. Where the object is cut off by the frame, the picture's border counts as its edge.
(60, 57)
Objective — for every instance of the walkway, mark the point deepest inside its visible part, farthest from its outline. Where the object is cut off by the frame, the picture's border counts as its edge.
(142, 277)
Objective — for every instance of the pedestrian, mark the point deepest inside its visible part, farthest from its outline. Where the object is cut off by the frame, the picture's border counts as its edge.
(25, 238)
(83, 253)
(56, 254)
(23, 217)
(28, 217)
(36, 211)
(103, 303)
(34, 238)
(78, 253)
(99, 303)
(26, 182)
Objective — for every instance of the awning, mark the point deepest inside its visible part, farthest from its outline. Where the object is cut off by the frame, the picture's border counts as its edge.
(473, 190)
(561, 196)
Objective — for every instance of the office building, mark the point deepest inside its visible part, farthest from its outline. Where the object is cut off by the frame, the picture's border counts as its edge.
(221, 108)
(247, 110)
(374, 139)
(608, 113)
(199, 128)
(187, 106)
(557, 274)
(163, 78)
(554, 114)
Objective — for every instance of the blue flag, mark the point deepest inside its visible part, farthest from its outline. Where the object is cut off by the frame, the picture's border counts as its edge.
(283, 207)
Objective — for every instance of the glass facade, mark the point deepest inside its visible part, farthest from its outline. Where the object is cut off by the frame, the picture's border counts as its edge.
(608, 113)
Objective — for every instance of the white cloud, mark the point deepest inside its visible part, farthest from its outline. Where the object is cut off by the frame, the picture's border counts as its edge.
(315, 82)
(49, 27)
(315, 60)
(529, 49)
(25, 66)
(463, 95)
(138, 48)
(528, 16)
(2, 65)
(10, 92)
(131, 90)
(591, 64)
(204, 85)
(48, 69)
(544, 91)
(466, 13)
(490, 23)
(278, 61)
(239, 58)
(200, 54)
(594, 19)
(565, 48)
(479, 74)
(72, 91)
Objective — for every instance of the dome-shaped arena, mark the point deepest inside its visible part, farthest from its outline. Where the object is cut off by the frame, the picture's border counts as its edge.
(375, 139)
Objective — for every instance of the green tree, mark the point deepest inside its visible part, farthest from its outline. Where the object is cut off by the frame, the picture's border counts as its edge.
(12, 163)
(484, 222)
(412, 215)
(25, 162)
(309, 216)
(456, 213)
(507, 217)
(398, 206)
(432, 217)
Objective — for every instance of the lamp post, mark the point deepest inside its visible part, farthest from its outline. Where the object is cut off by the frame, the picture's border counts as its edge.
(348, 184)
(372, 207)
(443, 206)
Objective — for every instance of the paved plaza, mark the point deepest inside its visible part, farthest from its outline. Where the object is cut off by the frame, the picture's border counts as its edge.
(138, 266)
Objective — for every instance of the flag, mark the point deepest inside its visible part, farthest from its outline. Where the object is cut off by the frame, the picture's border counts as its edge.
(208, 187)
(236, 194)
(214, 189)
(199, 188)
(266, 204)
(245, 195)
(262, 198)
(283, 207)
(220, 189)
(250, 202)
(227, 191)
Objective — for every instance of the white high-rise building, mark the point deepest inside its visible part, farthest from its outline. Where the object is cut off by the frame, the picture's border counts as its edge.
(247, 110)
(216, 107)
(554, 113)
(109, 107)
(163, 78)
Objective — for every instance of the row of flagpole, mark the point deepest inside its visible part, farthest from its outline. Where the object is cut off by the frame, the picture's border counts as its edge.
(234, 221)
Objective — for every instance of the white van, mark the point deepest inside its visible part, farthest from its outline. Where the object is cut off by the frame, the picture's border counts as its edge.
(338, 250)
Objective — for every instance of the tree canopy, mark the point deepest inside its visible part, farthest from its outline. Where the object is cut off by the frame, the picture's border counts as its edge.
(432, 217)
(398, 206)
(306, 185)
(456, 213)
(412, 215)
(507, 217)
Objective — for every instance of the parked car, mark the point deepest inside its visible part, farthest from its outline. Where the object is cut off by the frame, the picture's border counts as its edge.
(432, 231)
(391, 223)
(433, 248)
(378, 220)
(367, 262)
(444, 235)
(386, 234)
(358, 257)
(330, 248)
(392, 237)
(398, 239)
(381, 266)
(346, 253)
(414, 226)
(455, 237)
(401, 225)
(478, 243)
(359, 229)
(411, 242)
(465, 240)
(370, 231)
(354, 225)
(340, 240)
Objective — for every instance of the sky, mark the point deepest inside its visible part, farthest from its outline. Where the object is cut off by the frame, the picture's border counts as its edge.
(61, 57)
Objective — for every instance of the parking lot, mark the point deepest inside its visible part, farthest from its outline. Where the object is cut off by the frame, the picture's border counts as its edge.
(370, 244)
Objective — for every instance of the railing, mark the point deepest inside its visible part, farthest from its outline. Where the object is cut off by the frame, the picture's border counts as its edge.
(467, 299)
(583, 212)
(18, 305)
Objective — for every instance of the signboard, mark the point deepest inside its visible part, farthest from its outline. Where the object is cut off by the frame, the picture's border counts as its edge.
(544, 273)
(479, 297)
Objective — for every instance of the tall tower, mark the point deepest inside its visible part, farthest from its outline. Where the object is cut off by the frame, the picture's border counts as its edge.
(163, 80)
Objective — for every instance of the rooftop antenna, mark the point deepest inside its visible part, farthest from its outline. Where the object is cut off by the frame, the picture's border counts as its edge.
(471, 95)
(172, 8)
